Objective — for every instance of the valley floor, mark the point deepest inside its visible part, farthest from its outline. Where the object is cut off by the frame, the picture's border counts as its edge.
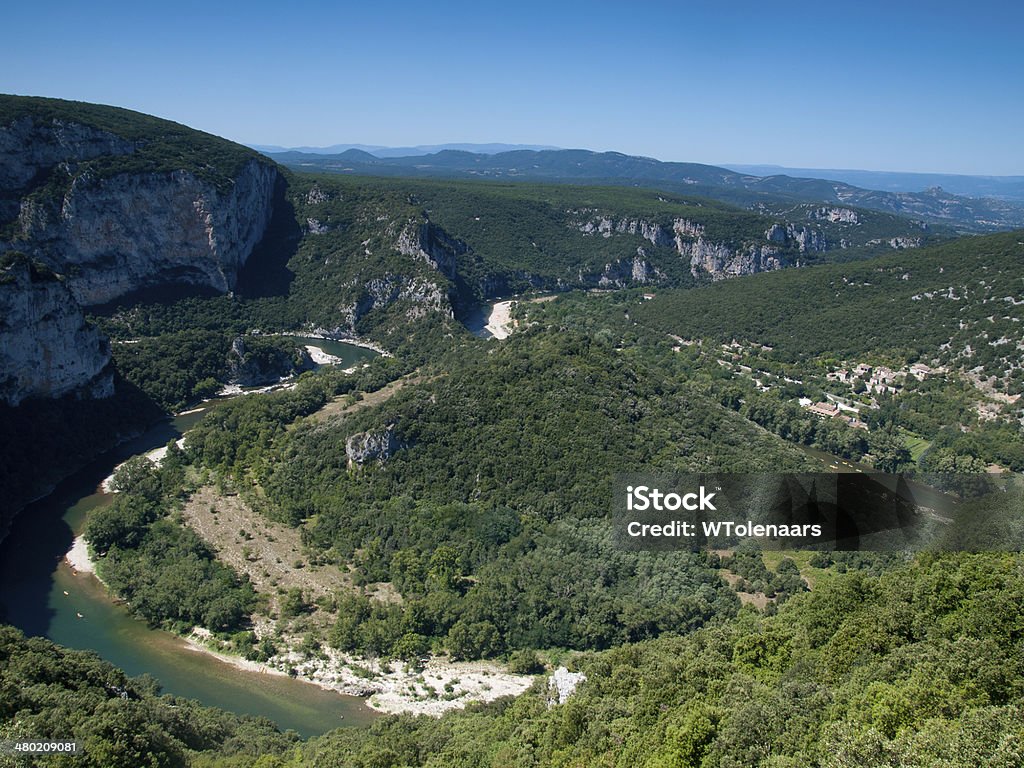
(270, 555)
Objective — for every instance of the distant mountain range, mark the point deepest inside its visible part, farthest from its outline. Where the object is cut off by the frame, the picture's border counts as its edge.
(380, 151)
(768, 193)
(1005, 187)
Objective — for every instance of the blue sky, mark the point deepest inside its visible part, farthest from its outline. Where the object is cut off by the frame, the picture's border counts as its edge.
(910, 86)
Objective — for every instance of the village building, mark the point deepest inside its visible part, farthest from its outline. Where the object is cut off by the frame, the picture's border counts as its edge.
(920, 371)
(826, 410)
(883, 374)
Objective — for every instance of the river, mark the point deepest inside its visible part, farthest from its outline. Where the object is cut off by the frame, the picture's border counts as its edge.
(42, 596)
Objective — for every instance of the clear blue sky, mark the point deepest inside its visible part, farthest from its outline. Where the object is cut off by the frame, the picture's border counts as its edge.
(896, 85)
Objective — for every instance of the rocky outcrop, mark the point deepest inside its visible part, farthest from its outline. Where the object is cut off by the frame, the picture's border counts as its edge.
(562, 684)
(686, 228)
(804, 238)
(898, 243)
(29, 147)
(721, 260)
(317, 195)
(776, 233)
(46, 347)
(370, 446)
(835, 215)
(807, 239)
(422, 295)
(624, 272)
(690, 241)
(250, 367)
(433, 245)
(316, 227)
(651, 231)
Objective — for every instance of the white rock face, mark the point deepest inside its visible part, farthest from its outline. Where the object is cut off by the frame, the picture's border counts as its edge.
(689, 240)
(46, 347)
(904, 242)
(720, 261)
(424, 297)
(115, 235)
(688, 228)
(372, 446)
(625, 272)
(807, 239)
(836, 215)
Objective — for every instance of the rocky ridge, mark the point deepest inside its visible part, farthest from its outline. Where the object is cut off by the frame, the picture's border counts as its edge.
(110, 236)
(689, 240)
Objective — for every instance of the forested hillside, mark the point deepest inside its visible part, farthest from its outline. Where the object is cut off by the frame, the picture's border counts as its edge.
(920, 667)
(482, 494)
(954, 309)
(956, 304)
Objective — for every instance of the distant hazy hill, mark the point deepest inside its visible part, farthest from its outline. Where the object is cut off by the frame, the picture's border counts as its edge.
(420, 149)
(769, 193)
(1005, 187)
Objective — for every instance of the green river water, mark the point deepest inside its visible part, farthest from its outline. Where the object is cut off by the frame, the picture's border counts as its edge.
(42, 596)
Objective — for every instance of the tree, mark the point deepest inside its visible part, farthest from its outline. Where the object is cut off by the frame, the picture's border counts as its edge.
(889, 450)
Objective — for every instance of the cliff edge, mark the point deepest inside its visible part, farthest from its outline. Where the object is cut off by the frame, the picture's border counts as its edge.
(98, 202)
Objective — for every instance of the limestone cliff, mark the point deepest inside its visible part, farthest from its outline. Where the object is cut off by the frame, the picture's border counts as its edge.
(433, 245)
(29, 146)
(804, 238)
(421, 286)
(689, 240)
(110, 202)
(114, 235)
(625, 272)
(720, 261)
(46, 347)
(422, 296)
